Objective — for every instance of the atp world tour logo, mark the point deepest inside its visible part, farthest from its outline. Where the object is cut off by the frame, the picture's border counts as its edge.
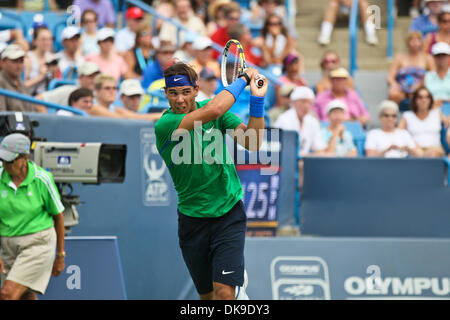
(155, 188)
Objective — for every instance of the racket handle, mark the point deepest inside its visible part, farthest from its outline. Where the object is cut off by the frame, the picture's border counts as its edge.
(259, 80)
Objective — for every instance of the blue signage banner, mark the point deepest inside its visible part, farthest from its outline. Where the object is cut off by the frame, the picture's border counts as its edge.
(347, 268)
(93, 271)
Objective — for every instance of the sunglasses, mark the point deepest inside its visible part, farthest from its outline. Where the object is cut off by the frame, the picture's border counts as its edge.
(326, 61)
(423, 96)
(389, 115)
(109, 88)
(274, 23)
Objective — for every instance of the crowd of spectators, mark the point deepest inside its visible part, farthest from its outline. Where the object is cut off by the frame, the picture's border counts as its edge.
(118, 72)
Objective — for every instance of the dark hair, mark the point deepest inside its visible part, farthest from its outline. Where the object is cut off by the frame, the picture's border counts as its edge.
(265, 28)
(441, 15)
(142, 29)
(236, 30)
(327, 53)
(413, 104)
(182, 69)
(229, 10)
(85, 12)
(78, 94)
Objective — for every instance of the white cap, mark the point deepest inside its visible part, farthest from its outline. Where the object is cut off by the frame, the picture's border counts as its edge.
(13, 52)
(336, 104)
(88, 68)
(131, 87)
(440, 48)
(302, 93)
(201, 43)
(105, 33)
(388, 105)
(70, 32)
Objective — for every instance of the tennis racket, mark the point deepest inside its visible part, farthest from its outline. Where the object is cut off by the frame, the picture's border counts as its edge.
(233, 64)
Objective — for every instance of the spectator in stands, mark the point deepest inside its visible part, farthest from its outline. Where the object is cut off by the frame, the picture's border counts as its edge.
(154, 71)
(82, 99)
(216, 15)
(186, 17)
(428, 22)
(221, 36)
(330, 61)
(105, 93)
(186, 52)
(60, 95)
(390, 141)
(438, 82)
(407, 71)
(283, 104)
(298, 118)
(125, 38)
(331, 14)
(207, 84)
(15, 36)
(261, 9)
(291, 73)
(425, 123)
(355, 111)
(12, 65)
(40, 63)
(202, 52)
(442, 35)
(104, 9)
(88, 38)
(242, 33)
(70, 59)
(108, 60)
(138, 57)
(131, 93)
(277, 42)
(338, 140)
(164, 8)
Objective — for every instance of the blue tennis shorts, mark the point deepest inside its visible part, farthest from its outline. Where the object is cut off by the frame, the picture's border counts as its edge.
(213, 248)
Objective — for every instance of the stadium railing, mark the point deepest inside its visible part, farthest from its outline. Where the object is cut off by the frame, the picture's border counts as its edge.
(53, 106)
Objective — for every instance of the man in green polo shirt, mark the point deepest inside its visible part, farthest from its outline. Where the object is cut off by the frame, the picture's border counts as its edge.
(190, 136)
(31, 222)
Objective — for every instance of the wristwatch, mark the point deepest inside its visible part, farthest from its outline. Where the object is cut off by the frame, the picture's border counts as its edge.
(61, 254)
(247, 78)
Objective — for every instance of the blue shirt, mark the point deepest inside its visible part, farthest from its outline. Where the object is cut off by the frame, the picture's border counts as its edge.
(423, 24)
(152, 73)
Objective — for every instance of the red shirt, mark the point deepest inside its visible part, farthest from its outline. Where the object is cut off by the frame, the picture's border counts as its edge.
(220, 37)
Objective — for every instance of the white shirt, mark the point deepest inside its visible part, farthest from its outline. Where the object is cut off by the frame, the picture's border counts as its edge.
(124, 40)
(426, 132)
(380, 140)
(309, 133)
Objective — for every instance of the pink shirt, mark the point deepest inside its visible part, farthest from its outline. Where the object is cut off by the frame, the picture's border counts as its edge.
(115, 67)
(355, 106)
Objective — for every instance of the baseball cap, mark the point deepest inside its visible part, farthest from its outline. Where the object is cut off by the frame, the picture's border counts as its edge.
(302, 93)
(105, 33)
(13, 145)
(88, 68)
(134, 13)
(388, 105)
(201, 43)
(339, 73)
(13, 52)
(336, 104)
(207, 74)
(440, 48)
(131, 87)
(70, 32)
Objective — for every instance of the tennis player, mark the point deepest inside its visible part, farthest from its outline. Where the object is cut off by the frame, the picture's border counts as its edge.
(211, 214)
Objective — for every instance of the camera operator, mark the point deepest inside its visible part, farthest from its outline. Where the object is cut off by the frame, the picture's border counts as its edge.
(31, 223)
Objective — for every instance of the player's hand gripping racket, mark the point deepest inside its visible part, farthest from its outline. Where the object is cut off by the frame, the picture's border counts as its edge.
(233, 64)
